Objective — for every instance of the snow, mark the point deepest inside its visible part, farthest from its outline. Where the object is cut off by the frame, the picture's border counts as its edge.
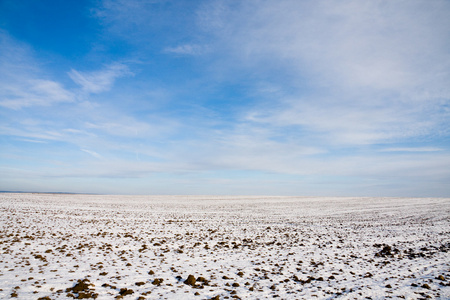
(285, 247)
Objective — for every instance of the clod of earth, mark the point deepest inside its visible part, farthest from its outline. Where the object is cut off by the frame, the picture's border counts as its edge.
(387, 251)
(157, 281)
(125, 291)
(190, 280)
(81, 290)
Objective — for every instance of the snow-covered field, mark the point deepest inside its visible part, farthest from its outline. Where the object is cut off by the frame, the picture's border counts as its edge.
(145, 247)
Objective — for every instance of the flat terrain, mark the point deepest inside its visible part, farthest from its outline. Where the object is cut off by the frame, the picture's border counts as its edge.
(57, 246)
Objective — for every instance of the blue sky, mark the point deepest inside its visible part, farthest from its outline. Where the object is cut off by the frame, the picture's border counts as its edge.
(286, 97)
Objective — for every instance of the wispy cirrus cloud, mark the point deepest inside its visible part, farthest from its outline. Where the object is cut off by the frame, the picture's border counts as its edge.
(383, 66)
(347, 44)
(93, 153)
(34, 92)
(187, 49)
(22, 83)
(37, 108)
(123, 14)
(333, 120)
(412, 149)
(99, 81)
(138, 21)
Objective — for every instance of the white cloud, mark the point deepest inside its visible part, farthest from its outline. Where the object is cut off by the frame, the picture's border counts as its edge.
(147, 23)
(22, 83)
(93, 153)
(117, 124)
(187, 49)
(99, 81)
(33, 92)
(32, 141)
(348, 121)
(126, 13)
(413, 149)
(377, 44)
(357, 72)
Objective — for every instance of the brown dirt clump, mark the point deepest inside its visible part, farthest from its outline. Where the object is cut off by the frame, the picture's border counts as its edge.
(190, 280)
(81, 290)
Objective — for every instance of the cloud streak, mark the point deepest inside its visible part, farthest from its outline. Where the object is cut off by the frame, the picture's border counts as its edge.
(22, 84)
(411, 149)
(186, 49)
(35, 93)
(99, 81)
(93, 153)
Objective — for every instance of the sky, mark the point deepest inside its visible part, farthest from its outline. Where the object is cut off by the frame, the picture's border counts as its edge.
(261, 97)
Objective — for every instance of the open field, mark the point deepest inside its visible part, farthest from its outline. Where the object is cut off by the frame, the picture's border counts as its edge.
(57, 246)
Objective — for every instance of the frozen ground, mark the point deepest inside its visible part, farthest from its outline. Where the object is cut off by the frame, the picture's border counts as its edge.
(136, 247)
